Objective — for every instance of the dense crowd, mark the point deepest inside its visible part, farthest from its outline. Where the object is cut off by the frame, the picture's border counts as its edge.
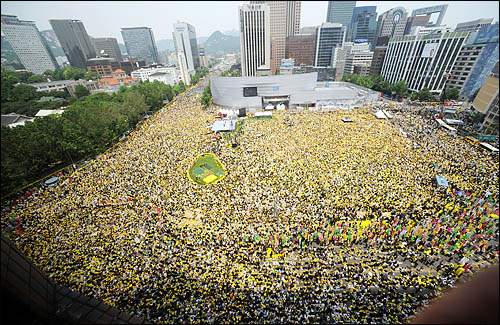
(317, 220)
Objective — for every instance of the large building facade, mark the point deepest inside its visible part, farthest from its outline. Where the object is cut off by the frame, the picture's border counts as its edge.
(255, 38)
(422, 61)
(428, 11)
(329, 37)
(184, 35)
(29, 45)
(301, 48)
(140, 43)
(363, 24)
(340, 12)
(379, 55)
(284, 22)
(486, 103)
(475, 61)
(108, 46)
(473, 25)
(392, 23)
(74, 40)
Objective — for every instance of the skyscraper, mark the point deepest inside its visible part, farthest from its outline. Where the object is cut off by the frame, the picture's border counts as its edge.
(392, 23)
(255, 38)
(340, 12)
(284, 22)
(140, 43)
(329, 37)
(364, 24)
(107, 46)
(29, 45)
(184, 36)
(74, 41)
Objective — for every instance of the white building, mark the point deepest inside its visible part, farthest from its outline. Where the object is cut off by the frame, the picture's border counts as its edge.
(169, 76)
(422, 30)
(358, 59)
(473, 25)
(255, 38)
(421, 61)
(391, 23)
(29, 45)
(185, 42)
(184, 72)
(350, 55)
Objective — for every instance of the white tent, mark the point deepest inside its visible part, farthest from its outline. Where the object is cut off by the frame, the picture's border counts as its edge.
(380, 115)
(263, 114)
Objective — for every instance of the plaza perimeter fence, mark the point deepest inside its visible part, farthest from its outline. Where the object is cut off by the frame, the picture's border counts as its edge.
(71, 171)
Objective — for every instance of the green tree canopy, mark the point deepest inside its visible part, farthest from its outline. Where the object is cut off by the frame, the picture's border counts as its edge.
(81, 91)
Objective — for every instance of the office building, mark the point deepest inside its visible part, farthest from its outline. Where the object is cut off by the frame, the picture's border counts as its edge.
(421, 61)
(30, 46)
(203, 57)
(140, 43)
(255, 38)
(428, 11)
(417, 21)
(359, 56)
(103, 66)
(391, 23)
(329, 37)
(486, 103)
(183, 68)
(378, 55)
(340, 12)
(301, 48)
(475, 61)
(184, 36)
(108, 46)
(130, 64)
(284, 22)
(422, 30)
(473, 25)
(74, 40)
(363, 24)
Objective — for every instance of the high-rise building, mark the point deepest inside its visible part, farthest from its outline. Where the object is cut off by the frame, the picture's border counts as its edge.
(391, 23)
(31, 47)
(109, 46)
(301, 48)
(422, 61)
(416, 21)
(284, 21)
(475, 61)
(340, 12)
(183, 68)
(203, 57)
(378, 55)
(140, 43)
(363, 24)
(473, 25)
(329, 37)
(428, 11)
(74, 40)
(422, 30)
(486, 103)
(184, 36)
(255, 38)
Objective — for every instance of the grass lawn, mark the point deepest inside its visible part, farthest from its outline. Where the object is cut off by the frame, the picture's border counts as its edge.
(207, 169)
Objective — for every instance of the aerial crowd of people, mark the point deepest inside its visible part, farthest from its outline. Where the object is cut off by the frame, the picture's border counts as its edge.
(317, 220)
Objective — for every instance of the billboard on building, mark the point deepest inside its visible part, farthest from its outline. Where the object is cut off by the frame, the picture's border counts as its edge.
(429, 50)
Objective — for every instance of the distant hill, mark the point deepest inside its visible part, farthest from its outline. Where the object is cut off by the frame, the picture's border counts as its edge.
(53, 42)
(219, 44)
(233, 32)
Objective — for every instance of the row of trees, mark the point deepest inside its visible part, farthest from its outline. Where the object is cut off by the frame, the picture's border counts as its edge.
(198, 75)
(232, 72)
(85, 128)
(206, 97)
(399, 88)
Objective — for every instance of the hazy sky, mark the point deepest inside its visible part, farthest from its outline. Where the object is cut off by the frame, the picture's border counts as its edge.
(105, 18)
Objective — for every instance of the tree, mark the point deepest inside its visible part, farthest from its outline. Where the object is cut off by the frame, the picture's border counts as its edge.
(206, 96)
(413, 96)
(73, 73)
(81, 91)
(424, 94)
(449, 94)
(92, 76)
(400, 87)
(36, 78)
(24, 93)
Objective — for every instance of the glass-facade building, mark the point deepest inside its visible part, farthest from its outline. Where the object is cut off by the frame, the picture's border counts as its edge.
(185, 41)
(364, 24)
(340, 12)
(329, 37)
(140, 43)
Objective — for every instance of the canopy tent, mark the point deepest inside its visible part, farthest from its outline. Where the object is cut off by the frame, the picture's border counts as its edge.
(51, 182)
(263, 114)
(454, 122)
(347, 120)
(389, 115)
(224, 126)
(441, 181)
(380, 115)
(488, 146)
(446, 126)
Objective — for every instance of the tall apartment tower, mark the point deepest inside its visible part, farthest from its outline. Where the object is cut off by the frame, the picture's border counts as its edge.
(340, 12)
(363, 24)
(392, 23)
(29, 45)
(284, 22)
(74, 40)
(330, 36)
(255, 38)
(184, 36)
(109, 46)
(140, 43)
